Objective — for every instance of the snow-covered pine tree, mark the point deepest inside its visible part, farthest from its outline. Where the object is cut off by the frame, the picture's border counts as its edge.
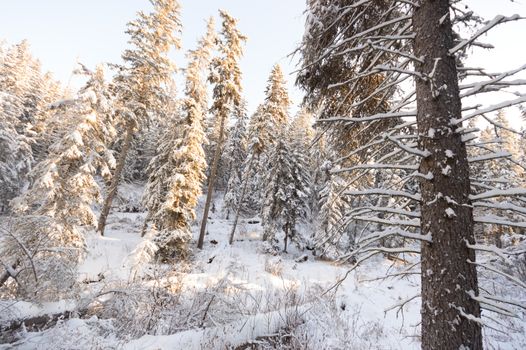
(333, 206)
(21, 76)
(15, 154)
(16, 71)
(277, 101)
(235, 156)
(24, 97)
(302, 128)
(330, 22)
(423, 162)
(63, 185)
(264, 126)
(268, 121)
(42, 128)
(226, 77)
(286, 189)
(177, 171)
(63, 189)
(141, 83)
(252, 171)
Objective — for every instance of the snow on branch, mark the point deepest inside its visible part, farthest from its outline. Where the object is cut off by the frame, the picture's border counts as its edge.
(516, 191)
(490, 156)
(495, 21)
(489, 219)
(493, 84)
(380, 26)
(504, 274)
(393, 231)
(377, 166)
(408, 148)
(391, 221)
(386, 192)
(500, 206)
(490, 249)
(377, 116)
(386, 250)
(467, 316)
(492, 305)
(503, 301)
(363, 210)
(492, 108)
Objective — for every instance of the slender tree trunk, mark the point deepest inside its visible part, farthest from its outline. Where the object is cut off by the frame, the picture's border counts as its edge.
(286, 229)
(241, 197)
(211, 182)
(112, 191)
(145, 225)
(447, 213)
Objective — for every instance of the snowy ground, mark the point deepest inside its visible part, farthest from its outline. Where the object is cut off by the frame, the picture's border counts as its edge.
(228, 296)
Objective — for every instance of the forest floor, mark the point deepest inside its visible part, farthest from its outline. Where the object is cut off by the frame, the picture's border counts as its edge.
(231, 297)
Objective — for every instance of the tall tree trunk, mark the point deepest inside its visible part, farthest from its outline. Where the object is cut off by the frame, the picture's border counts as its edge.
(211, 181)
(241, 197)
(286, 229)
(112, 191)
(145, 224)
(447, 213)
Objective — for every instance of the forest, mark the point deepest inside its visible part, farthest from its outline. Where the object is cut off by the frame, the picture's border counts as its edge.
(388, 211)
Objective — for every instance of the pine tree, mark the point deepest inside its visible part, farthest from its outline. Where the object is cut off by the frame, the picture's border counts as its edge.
(333, 207)
(286, 190)
(226, 77)
(435, 113)
(235, 156)
(141, 83)
(267, 122)
(277, 101)
(24, 97)
(177, 171)
(330, 27)
(253, 166)
(15, 155)
(355, 55)
(64, 187)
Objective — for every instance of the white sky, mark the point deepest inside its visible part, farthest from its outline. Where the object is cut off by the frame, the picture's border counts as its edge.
(62, 31)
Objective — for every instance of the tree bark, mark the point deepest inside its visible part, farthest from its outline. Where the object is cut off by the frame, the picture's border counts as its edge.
(241, 197)
(446, 211)
(211, 181)
(112, 191)
(286, 229)
(145, 225)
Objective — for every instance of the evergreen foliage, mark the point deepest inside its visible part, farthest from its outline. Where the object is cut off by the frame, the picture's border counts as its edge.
(177, 171)
(286, 188)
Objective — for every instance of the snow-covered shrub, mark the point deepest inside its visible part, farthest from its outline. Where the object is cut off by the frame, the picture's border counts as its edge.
(41, 264)
(72, 334)
(137, 309)
(129, 198)
(325, 325)
(172, 244)
(274, 266)
(140, 258)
